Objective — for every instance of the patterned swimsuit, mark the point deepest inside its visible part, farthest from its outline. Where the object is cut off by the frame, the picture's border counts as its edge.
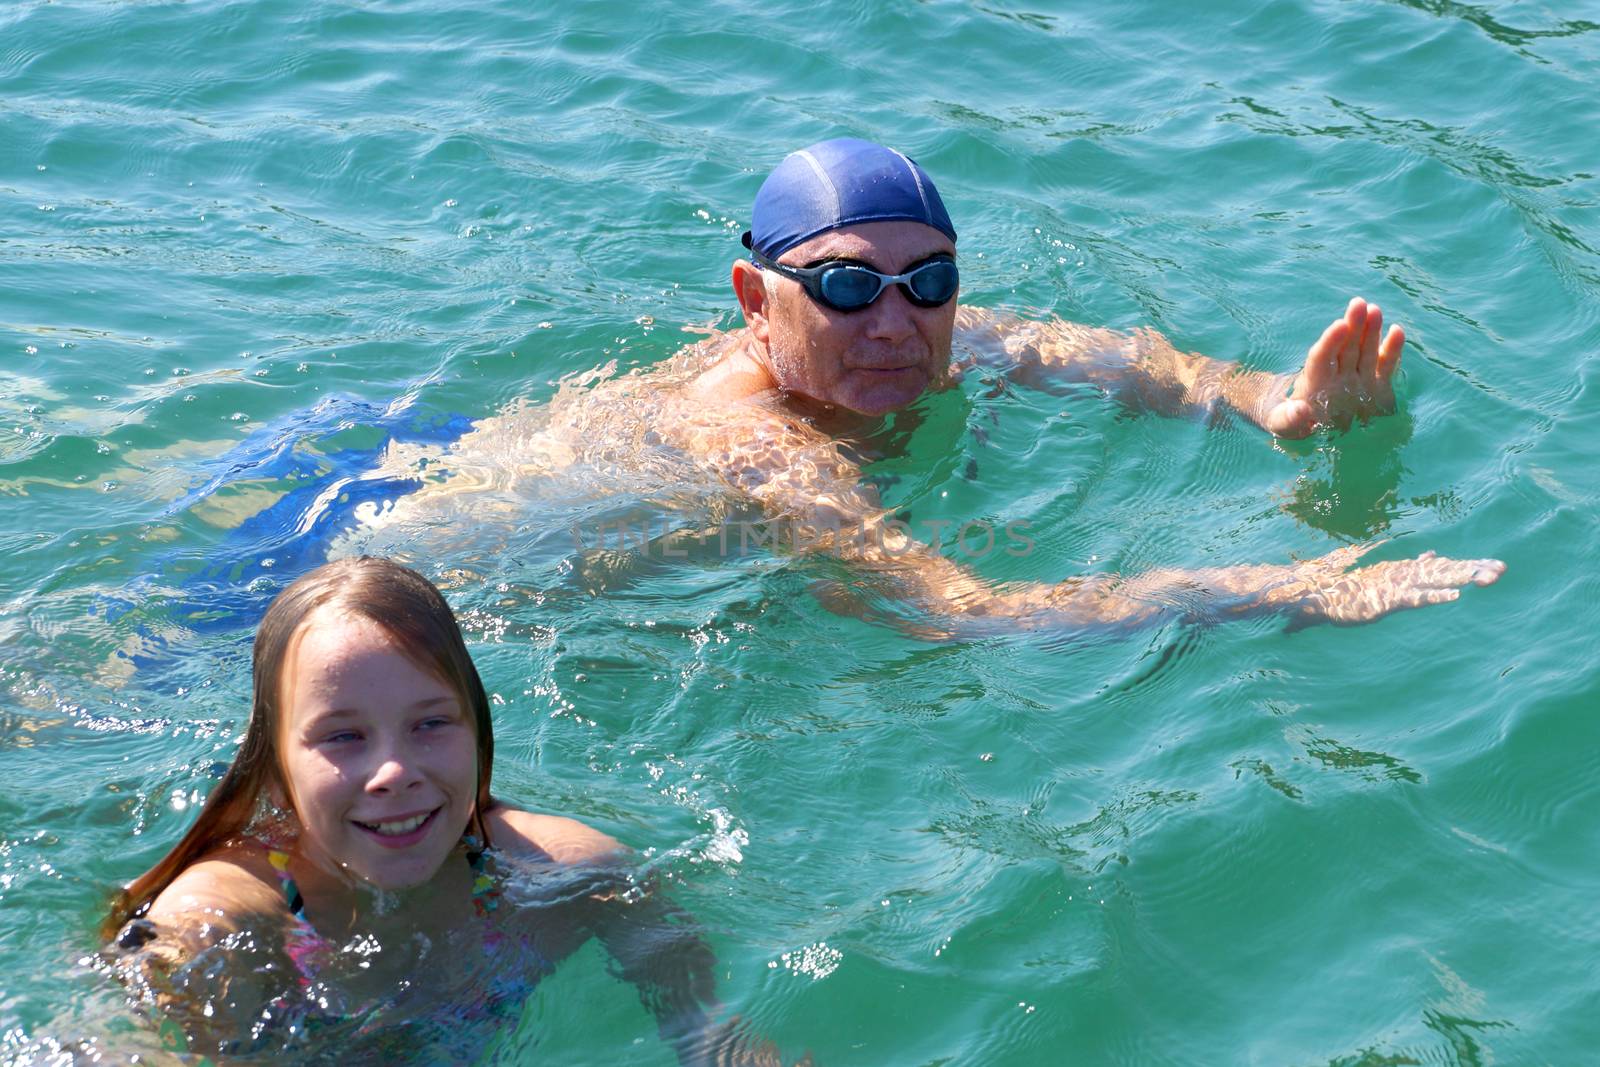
(311, 952)
(437, 1033)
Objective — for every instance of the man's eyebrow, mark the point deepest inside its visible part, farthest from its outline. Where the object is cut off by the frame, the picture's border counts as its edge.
(846, 257)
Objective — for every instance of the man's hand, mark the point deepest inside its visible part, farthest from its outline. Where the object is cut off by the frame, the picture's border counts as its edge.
(1325, 590)
(1349, 373)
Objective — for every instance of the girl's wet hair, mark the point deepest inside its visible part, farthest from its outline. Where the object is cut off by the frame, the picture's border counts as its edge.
(415, 616)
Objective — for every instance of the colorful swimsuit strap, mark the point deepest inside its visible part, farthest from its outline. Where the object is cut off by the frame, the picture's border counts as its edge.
(485, 887)
(291, 892)
(309, 950)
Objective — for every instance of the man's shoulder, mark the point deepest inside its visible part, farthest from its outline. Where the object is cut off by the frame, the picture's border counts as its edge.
(731, 376)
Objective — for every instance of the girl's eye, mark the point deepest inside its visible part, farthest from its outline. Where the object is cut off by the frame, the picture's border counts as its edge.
(342, 736)
(435, 722)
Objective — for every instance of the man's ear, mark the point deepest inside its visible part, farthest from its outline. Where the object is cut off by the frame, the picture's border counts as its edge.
(750, 287)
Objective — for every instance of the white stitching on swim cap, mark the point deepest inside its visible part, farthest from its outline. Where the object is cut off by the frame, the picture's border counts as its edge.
(827, 182)
(927, 212)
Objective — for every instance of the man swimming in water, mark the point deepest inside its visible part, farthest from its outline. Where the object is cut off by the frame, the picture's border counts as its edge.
(849, 300)
(826, 332)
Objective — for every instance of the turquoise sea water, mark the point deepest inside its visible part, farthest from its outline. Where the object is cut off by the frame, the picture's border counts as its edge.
(243, 243)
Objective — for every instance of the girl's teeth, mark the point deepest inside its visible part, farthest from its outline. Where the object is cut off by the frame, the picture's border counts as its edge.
(395, 829)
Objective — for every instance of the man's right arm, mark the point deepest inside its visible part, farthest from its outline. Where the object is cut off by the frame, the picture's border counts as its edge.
(800, 477)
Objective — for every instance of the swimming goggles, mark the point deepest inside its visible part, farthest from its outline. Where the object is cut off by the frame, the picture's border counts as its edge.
(844, 285)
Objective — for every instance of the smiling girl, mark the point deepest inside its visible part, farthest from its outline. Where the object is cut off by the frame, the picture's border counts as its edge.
(345, 889)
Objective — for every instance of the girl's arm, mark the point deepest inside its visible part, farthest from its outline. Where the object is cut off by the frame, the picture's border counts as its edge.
(198, 961)
(653, 943)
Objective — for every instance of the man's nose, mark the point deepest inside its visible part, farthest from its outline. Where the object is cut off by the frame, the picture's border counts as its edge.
(891, 317)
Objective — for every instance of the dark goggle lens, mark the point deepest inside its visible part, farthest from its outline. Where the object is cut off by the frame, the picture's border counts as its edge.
(848, 288)
(934, 283)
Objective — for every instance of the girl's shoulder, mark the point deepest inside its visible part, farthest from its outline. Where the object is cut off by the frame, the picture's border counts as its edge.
(566, 841)
(224, 888)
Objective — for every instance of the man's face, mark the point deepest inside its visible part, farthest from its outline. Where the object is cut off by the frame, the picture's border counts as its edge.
(871, 361)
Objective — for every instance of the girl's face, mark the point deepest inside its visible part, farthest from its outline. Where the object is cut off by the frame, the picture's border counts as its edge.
(379, 756)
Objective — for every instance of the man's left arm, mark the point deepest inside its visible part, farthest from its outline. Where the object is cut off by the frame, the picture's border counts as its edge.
(1348, 372)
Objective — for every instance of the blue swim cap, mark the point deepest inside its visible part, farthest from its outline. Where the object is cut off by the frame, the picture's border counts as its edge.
(838, 183)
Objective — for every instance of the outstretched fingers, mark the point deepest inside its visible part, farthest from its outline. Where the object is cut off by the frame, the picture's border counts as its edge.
(1389, 354)
(1487, 571)
(1421, 598)
(1440, 572)
(1348, 374)
(1433, 579)
(1322, 361)
(1355, 317)
(1367, 365)
(1374, 591)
